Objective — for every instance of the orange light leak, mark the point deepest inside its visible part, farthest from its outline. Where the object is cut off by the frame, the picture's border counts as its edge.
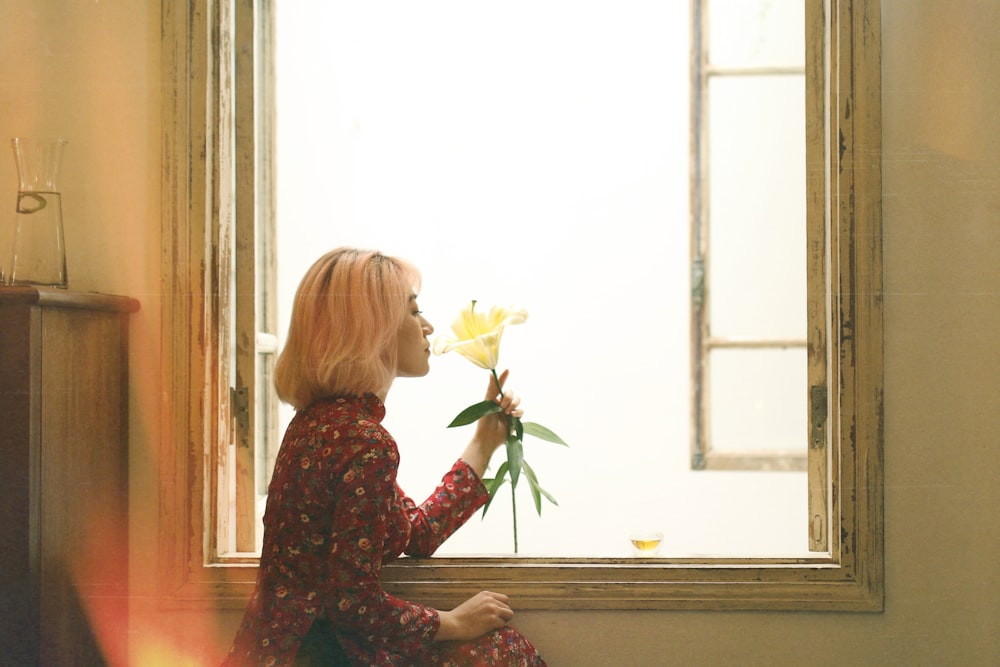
(148, 637)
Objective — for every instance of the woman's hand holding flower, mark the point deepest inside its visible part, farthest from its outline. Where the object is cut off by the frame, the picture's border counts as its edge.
(492, 430)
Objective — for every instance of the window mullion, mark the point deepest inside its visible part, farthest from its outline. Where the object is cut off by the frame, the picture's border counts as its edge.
(266, 407)
(245, 296)
(818, 214)
(699, 236)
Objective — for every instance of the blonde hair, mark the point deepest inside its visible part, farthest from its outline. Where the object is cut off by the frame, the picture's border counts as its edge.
(342, 335)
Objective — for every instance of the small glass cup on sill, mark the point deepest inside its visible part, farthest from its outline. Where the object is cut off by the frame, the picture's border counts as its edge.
(646, 542)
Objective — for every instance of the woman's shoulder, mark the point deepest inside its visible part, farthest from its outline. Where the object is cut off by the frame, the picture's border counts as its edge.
(350, 424)
(345, 409)
(331, 436)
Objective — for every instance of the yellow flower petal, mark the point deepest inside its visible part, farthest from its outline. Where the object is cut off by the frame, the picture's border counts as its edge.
(477, 334)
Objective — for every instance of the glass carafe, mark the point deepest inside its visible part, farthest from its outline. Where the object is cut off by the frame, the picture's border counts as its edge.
(38, 256)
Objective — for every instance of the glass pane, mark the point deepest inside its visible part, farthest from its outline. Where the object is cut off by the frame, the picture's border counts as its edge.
(757, 214)
(576, 149)
(756, 33)
(758, 400)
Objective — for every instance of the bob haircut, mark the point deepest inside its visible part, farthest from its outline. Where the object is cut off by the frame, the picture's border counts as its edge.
(345, 318)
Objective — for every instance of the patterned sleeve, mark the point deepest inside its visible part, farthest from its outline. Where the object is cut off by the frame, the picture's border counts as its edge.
(455, 500)
(355, 599)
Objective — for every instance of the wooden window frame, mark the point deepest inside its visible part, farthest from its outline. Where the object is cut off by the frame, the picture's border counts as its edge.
(845, 188)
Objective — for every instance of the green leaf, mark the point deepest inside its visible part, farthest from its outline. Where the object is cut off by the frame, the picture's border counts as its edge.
(493, 495)
(515, 455)
(536, 490)
(539, 431)
(518, 428)
(493, 485)
(548, 496)
(474, 413)
(533, 485)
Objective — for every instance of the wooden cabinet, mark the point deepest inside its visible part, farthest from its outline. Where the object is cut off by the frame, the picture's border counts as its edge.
(63, 475)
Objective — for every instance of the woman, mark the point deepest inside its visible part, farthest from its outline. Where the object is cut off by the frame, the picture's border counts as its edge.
(334, 511)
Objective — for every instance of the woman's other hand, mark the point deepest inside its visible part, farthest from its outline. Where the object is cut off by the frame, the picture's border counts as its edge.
(475, 617)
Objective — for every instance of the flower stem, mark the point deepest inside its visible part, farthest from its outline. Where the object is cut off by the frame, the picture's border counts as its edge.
(513, 508)
(513, 495)
(496, 378)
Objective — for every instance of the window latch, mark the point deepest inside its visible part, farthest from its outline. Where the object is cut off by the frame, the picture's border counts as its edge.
(817, 421)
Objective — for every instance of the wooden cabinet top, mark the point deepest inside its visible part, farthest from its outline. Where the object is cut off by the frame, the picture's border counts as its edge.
(51, 297)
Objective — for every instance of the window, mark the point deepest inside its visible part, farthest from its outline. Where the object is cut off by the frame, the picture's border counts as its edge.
(843, 173)
(748, 236)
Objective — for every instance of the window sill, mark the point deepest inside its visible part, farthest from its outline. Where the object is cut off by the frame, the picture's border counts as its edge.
(713, 584)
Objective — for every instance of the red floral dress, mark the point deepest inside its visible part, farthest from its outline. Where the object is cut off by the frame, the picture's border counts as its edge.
(334, 515)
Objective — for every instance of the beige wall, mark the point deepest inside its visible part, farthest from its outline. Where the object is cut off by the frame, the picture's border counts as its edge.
(89, 71)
